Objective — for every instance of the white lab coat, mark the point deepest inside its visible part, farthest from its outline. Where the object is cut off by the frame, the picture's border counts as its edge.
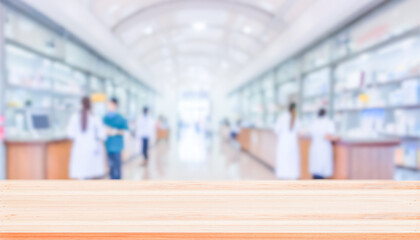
(145, 128)
(288, 157)
(321, 152)
(87, 159)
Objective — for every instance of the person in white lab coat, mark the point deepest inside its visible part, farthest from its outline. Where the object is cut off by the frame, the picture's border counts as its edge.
(146, 132)
(88, 133)
(288, 157)
(321, 151)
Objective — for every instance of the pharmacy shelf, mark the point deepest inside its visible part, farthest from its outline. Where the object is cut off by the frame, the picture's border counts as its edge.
(310, 112)
(408, 167)
(29, 88)
(323, 95)
(380, 84)
(374, 47)
(402, 137)
(45, 91)
(280, 83)
(417, 106)
(52, 58)
(316, 69)
(62, 61)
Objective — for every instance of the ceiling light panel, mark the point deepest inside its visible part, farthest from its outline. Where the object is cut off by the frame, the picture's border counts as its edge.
(268, 5)
(245, 43)
(214, 17)
(206, 46)
(142, 30)
(113, 11)
(172, 36)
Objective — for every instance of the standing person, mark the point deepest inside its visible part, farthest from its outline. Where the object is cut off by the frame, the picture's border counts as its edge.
(116, 126)
(235, 129)
(145, 132)
(321, 152)
(288, 157)
(88, 134)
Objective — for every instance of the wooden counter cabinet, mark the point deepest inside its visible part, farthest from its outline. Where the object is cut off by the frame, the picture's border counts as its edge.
(38, 159)
(353, 159)
(162, 134)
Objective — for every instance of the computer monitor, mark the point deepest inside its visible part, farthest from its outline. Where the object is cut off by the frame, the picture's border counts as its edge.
(40, 121)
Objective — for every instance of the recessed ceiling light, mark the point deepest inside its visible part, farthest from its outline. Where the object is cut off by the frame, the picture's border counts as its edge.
(148, 30)
(114, 8)
(247, 29)
(225, 65)
(199, 26)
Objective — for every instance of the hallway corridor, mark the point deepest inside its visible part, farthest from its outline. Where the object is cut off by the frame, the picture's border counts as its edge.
(195, 157)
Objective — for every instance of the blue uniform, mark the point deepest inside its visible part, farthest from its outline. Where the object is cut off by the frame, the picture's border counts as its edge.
(115, 144)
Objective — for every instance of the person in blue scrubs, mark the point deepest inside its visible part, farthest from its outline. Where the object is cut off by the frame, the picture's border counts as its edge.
(116, 126)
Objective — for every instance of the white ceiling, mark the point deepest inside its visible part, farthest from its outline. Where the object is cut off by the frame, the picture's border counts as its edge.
(208, 42)
(196, 41)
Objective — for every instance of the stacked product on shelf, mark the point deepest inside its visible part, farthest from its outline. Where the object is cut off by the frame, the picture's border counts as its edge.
(50, 73)
(366, 75)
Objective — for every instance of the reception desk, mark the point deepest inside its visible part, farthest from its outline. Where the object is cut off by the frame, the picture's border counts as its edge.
(327, 210)
(162, 134)
(260, 143)
(38, 159)
(353, 158)
(49, 158)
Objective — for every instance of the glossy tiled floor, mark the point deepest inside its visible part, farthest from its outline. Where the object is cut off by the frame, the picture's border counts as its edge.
(193, 156)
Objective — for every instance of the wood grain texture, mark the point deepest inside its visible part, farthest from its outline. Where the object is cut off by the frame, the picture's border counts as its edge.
(304, 147)
(244, 139)
(162, 134)
(58, 159)
(26, 160)
(259, 143)
(209, 210)
(38, 160)
(352, 160)
(209, 236)
(341, 162)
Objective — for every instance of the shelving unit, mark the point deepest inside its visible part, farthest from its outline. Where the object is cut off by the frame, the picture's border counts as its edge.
(315, 94)
(366, 75)
(50, 72)
(287, 88)
(268, 95)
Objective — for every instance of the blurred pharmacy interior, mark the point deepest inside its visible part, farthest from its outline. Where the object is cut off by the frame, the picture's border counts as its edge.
(216, 75)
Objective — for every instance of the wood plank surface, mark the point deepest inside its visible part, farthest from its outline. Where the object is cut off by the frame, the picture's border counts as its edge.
(58, 159)
(209, 210)
(361, 160)
(26, 160)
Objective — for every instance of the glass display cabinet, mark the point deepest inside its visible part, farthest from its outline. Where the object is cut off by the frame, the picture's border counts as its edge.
(269, 100)
(318, 57)
(287, 85)
(315, 94)
(367, 76)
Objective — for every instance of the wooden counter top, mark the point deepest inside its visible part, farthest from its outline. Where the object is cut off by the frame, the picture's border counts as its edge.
(386, 141)
(35, 140)
(209, 210)
(366, 141)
